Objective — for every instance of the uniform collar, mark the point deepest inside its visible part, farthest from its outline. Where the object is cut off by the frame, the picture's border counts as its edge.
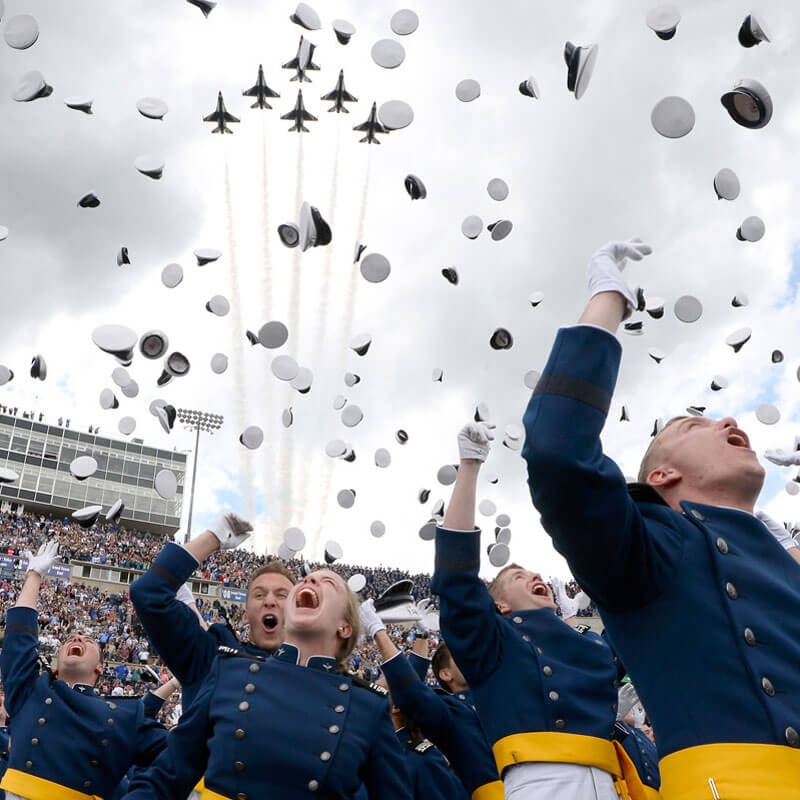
(402, 735)
(84, 688)
(290, 653)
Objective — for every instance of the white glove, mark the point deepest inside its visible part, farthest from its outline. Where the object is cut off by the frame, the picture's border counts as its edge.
(568, 605)
(782, 458)
(370, 621)
(777, 530)
(604, 271)
(424, 609)
(474, 440)
(185, 595)
(45, 557)
(231, 530)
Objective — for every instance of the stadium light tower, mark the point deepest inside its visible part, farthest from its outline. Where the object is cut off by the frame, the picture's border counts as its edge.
(198, 421)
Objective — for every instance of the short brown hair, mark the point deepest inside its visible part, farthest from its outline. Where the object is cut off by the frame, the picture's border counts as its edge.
(649, 460)
(271, 568)
(441, 659)
(351, 615)
(494, 586)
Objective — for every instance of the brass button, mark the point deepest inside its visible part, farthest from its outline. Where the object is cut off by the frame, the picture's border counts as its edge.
(731, 590)
(553, 696)
(462, 697)
(343, 687)
(560, 724)
(324, 756)
(792, 737)
(28, 764)
(110, 721)
(766, 685)
(525, 637)
(239, 766)
(244, 705)
(539, 650)
(339, 709)
(48, 701)
(333, 729)
(749, 637)
(112, 706)
(254, 668)
(518, 620)
(250, 688)
(722, 546)
(313, 786)
(697, 515)
(547, 670)
(42, 720)
(87, 784)
(239, 733)
(34, 742)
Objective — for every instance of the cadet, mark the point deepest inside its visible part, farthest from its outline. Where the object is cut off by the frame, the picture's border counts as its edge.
(287, 726)
(68, 743)
(545, 692)
(161, 601)
(448, 718)
(687, 579)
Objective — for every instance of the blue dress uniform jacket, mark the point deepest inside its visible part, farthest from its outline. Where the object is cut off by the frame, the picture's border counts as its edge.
(429, 775)
(273, 730)
(3, 756)
(703, 605)
(528, 672)
(66, 742)
(450, 721)
(641, 751)
(173, 628)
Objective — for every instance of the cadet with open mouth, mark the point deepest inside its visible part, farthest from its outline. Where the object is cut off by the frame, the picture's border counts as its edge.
(293, 725)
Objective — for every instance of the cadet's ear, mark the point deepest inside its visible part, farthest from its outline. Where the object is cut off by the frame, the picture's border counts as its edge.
(445, 675)
(663, 477)
(344, 631)
(502, 607)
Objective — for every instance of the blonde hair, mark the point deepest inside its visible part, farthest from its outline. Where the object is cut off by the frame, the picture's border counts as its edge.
(351, 616)
(653, 452)
(495, 588)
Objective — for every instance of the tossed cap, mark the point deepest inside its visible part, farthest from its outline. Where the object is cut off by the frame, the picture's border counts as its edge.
(530, 88)
(776, 357)
(751, 230)
(500, 229)
(108, 400)
(344, 30)
(739, 338)
(86, 517)
(273, 335)
(8, 475)
(294, 539)
(497, 189)
(153, 344)
(31, 86)
(739, 300)
(123, 257)
(333, 551)
(152, 107)
(532, 378)
(396, 604)
(388, 53)
(219, 363)
(166, 416)
(289, 234)
(21, 31)
(172, 275)
(336, 448)
(206, 255)
(503, 536)
(114, 514)
(447, 475)
(688, 308)
(450, 275)
(655, 307)
(383, 458)
(151, 166)
(359, 249)
(437, 374)
(287, 417)
(377, 528)
(401, 436)
(251, 437)
(749, 104)
(726, 184)
(339, 402)
(306, 17)
(487, 508)
(471, 227)
(404, 22)
(657, 355)
(503, 520)
(534, 298)
(360, 343)
(116, 340)
(284, 368)
(346, 498)
(314, 230)
(375, 268)
(126, 426)
(767, 414)
(752, 32)
(415, 187)
(89, 200)
(79, 102)
(356, 582)
(498, 554)
(719, 382)
(166, 484)
(131, 388)
(423, 496)
(303, 380)
(673, 117)
(468, 90)
(663, 20)
(352, 415)
(481, 413)
(38, 367)
(83, 467)
(428, 531)
(501, 339)
(218, 305)
(580, 66)
(624, 416)
(351, 379)
(395, 115)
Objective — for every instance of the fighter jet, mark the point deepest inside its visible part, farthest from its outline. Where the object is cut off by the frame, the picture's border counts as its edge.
(339, 95)
(260, 91)
(302, 61)
(206, 6)
(299, 114)
(371, 126)
(220, 115)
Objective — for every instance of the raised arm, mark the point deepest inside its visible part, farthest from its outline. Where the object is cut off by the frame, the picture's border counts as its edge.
(469, 621)
(581, 493)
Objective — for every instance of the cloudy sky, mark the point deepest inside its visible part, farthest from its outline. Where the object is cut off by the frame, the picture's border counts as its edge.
(580, 173)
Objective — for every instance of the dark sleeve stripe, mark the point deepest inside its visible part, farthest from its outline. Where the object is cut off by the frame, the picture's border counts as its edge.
(167, 576)
(22, 629)
(454, 565)
(575, 389)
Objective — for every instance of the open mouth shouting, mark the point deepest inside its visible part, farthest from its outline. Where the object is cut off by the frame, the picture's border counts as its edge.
(306, 598)
(75, 649)
(270, 622)
(738, 438)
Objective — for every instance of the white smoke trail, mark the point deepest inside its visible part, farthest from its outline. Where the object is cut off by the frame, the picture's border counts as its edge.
(237, 348)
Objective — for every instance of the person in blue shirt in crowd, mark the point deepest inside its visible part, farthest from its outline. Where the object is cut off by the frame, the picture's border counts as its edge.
(698, 593)
(67, 742)
(288, 726)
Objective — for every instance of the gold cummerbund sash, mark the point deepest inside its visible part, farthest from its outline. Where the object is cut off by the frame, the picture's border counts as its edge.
(35, 788)
(489, 791)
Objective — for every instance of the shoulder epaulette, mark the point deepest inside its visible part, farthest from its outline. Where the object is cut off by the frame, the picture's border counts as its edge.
(420, 747)
(582, 628)
(232, 652)
(362, 683)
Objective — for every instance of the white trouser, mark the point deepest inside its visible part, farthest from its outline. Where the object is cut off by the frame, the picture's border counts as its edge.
(12, 796)
(548, 780)
(195, 795)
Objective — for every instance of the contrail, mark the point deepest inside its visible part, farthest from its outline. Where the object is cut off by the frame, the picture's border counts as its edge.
(287, 455)
(347, 332)
(237, 351)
